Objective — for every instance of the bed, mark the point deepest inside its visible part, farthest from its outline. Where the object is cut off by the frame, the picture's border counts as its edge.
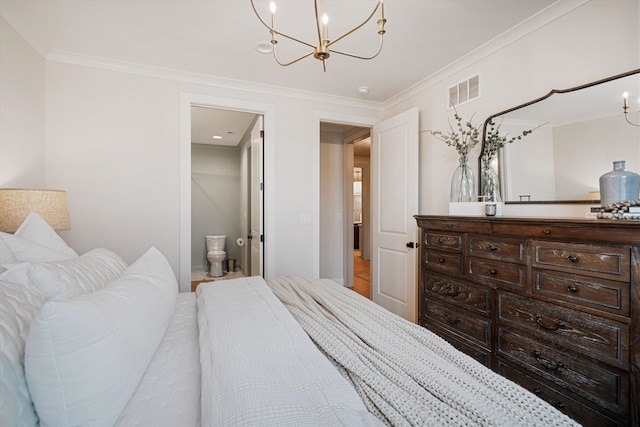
(87, 340)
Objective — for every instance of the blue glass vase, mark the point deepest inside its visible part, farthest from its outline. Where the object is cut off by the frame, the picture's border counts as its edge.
(618, 185)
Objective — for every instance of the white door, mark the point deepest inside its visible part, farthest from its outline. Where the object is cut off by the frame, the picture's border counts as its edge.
(257, 180)
(394, 201)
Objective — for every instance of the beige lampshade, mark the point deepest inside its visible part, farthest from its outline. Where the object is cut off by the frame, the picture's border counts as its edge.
(16, 203)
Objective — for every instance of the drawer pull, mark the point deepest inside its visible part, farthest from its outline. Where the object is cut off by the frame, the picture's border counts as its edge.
(572, 288)
(560, 405)
(572, 258)
(493, 272)
(451, 292)
(537, 391)
(451, 320)
(548, 327)
(493, 248)
(552, 366)
(441, 240)
(441, 260)
(450, 225)
(547, 232)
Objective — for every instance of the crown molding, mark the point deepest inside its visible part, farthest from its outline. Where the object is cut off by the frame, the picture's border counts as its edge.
(528, 26)
(204, 79)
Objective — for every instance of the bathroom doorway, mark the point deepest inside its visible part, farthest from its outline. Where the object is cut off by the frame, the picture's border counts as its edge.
(226, 191)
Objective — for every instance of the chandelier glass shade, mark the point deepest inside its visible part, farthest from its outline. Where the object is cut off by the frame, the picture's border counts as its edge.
(322, 48)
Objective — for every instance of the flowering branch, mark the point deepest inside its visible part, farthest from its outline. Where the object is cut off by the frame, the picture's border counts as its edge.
(464, 136)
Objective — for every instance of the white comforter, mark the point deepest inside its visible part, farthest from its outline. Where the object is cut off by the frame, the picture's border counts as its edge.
(259, 368)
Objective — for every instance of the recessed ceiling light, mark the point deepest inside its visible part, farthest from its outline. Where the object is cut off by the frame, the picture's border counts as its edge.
(363, 90)
(217, 137)
(264, 47)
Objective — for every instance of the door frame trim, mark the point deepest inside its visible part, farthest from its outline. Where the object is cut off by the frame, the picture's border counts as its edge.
(187, 100)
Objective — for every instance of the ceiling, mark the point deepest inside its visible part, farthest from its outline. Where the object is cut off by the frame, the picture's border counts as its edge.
(219, 38)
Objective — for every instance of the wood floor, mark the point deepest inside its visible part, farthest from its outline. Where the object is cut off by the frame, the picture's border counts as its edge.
(361, 275)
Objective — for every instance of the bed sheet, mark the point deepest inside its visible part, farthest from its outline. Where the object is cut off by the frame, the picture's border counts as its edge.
(169, 392)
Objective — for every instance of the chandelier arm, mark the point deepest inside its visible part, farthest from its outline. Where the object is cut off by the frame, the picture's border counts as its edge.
(626, 117)
(275, 56)
(273, 30)
(357, 27)
(360, 57)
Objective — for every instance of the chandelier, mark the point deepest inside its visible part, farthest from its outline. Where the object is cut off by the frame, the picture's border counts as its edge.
(322, 49)
(625, 109)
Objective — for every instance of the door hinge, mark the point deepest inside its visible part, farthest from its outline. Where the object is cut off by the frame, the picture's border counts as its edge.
(261, 134)
(261, 238)
(262, 186)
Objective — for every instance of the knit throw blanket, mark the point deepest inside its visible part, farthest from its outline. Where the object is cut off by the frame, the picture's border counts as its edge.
(405, 374)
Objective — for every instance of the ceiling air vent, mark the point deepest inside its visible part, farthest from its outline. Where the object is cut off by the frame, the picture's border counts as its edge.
(464, 91)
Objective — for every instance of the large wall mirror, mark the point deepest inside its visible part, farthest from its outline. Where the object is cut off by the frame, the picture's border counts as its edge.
(579, 133)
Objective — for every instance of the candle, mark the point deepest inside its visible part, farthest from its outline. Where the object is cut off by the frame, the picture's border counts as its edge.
(625, 95)
(325, 27)
(381, 9)
(272, 8)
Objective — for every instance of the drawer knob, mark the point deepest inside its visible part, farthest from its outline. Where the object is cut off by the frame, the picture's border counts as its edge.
(572, 288)
(537, 391)
(451, 320)
(493, 248)
(441, 260)
(548, 364)
(558, 326)
(493, 272)
(572, 258)
(441, 240)
(547, 232)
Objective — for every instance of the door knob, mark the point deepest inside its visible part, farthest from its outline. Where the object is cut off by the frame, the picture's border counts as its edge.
(411, 245)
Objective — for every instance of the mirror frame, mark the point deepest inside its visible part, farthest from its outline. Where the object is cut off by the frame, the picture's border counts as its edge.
(526, 104)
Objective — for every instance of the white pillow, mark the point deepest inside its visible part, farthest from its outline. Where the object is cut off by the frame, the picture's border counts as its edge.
(68, 278)
(85, 356)
(18, 306)
(35, 229)
(34, 241)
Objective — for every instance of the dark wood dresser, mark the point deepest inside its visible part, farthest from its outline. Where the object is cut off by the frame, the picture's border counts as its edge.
(552, 304)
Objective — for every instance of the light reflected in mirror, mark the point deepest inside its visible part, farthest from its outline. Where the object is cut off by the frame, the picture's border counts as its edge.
(583, 132)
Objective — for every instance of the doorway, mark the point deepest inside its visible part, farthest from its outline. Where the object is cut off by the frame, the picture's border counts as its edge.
(222, 191)
(266, 211)
(344, 205)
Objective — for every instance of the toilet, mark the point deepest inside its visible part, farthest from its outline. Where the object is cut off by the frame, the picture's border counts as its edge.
(216, 254)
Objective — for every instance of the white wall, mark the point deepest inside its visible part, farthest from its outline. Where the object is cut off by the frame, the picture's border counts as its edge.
(22, 112)
(598, 39)
(332, 206)
(113, 144)
(215, 200)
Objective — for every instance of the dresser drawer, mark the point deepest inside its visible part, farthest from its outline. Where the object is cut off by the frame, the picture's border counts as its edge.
(473, 297)
(570, 405)
(500, 274)
(477, 352)
(609, 262)
(607, 387)
(600, 294)
(435, 239)
(503, 249)
(444, 262)
(476, 225)
(471, 326)
(601, 338)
